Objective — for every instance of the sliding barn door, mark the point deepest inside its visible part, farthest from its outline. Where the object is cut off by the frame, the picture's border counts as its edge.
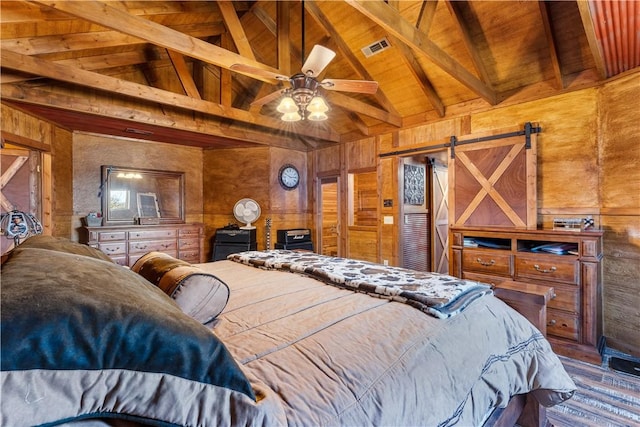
(493, 183)
(440, 215)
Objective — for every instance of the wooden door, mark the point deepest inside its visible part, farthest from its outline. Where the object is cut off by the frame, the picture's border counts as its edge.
(329, 214)
(493, 183)
(440, 215)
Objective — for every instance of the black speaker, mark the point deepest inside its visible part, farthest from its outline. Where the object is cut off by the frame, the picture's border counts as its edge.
(308, 246)
(222, 250)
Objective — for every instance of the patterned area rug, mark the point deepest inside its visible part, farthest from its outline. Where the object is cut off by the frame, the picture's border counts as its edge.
(605, 398)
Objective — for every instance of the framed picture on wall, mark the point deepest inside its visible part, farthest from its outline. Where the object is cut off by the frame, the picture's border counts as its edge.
(148, 205)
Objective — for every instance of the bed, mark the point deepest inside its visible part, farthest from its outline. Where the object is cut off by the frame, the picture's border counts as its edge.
(293, 345)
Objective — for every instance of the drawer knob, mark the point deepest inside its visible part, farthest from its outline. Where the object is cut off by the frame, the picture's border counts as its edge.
(485, 263)
(141, 246)
(112, 249)
(542, 270)
(552, 322)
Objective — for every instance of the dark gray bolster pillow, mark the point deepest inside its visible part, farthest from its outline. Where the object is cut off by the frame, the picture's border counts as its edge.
(199, 294)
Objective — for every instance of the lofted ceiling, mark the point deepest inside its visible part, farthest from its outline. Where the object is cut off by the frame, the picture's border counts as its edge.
(169, 70)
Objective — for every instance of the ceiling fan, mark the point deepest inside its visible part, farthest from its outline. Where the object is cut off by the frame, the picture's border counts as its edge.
(302, 99)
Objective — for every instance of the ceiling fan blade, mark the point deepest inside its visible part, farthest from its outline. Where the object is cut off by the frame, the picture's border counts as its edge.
(360, 86)
(242, 68)
(267, 98)
(317, 60)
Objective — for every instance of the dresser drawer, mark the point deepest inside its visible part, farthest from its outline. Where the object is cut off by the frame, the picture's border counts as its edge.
(492, 262)
(562, 324)
(153, 234)
(192, 256)
(141, 247)
(111, 249)
(189, 232)
(107, 236)
(566, 298)
(189, 244)
(555, 268)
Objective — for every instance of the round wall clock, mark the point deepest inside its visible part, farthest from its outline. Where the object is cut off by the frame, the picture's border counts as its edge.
(289, 177)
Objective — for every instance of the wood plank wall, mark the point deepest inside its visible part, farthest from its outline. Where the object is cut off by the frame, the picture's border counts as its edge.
(588, 154)
(588, 157)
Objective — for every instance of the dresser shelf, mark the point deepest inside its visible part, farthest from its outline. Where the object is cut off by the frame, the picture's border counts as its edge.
(567, 261)
(126, 244)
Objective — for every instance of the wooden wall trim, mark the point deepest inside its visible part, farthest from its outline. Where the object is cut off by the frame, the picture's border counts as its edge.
(24, 141)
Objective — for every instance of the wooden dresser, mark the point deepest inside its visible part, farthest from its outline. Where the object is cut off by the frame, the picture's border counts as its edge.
(568, 261)
(125, 244)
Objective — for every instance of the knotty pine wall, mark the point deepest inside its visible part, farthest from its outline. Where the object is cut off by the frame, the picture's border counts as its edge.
(588, 157)
(233, 174)
(588, 164)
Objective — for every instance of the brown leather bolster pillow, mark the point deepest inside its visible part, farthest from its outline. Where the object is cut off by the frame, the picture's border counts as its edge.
(200, 295)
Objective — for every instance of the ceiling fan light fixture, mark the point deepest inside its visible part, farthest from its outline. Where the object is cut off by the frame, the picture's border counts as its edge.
(317, 105)
(317, 116)
(287, 105)
(291, 117)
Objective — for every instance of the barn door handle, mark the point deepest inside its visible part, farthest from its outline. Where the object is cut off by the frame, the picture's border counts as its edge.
(485, 263)
(542, 270)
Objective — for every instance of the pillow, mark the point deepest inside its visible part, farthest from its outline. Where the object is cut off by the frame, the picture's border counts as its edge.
(61, 244)
(200, 295)
(83, 338)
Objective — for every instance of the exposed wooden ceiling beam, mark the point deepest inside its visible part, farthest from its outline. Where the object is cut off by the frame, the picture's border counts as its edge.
(590, 31)
(345, 51)
(235, 29)
(359, 123)
(455, 9)
(113, 111)
(283, 15)
(264, 17)
(104, 14)
(87, 78)
(360, 107)
(553, 52)
(184, 75)
(47, 45)
(420, 75)
(392, 22)
(425, 17)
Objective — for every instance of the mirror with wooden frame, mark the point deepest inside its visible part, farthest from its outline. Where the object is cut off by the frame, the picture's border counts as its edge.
(142, 196)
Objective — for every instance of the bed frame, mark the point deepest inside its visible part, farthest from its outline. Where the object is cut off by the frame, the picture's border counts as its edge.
(523, 410)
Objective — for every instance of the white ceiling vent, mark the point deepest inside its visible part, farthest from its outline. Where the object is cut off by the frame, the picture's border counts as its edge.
(376, 47)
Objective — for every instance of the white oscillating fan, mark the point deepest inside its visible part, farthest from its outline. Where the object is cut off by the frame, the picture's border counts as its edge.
(247, 211)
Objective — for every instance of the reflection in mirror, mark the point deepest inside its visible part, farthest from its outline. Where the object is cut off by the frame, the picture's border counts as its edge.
(363, 199)
(129, 194)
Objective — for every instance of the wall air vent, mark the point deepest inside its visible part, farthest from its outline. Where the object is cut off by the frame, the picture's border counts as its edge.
(138, 131)
(376, 47)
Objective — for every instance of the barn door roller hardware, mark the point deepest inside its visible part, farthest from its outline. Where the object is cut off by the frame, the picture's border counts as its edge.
(528, 130)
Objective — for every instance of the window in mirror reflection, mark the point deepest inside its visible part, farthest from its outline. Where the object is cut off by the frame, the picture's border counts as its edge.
(119, 199)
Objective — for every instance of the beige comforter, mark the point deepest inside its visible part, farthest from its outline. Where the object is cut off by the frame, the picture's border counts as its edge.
(319, 355)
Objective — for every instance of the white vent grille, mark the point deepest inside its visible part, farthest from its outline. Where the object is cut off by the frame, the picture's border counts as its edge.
(376, 47)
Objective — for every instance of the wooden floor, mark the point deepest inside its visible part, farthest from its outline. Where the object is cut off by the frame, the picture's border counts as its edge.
(604, 398)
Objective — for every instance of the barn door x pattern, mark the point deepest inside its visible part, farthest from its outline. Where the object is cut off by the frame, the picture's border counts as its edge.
(494, 180)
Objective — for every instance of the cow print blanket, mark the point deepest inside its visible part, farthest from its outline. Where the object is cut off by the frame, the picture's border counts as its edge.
(437, 294)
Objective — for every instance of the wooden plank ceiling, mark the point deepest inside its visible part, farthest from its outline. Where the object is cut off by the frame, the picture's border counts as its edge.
(164, 70)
